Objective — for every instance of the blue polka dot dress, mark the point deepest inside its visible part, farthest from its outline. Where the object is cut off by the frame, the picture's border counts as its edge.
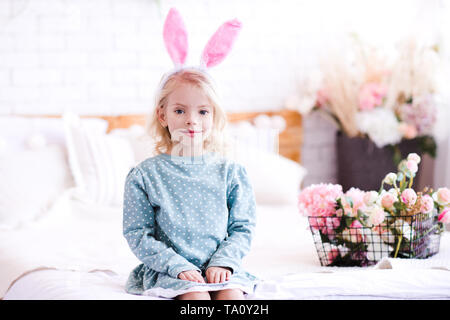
(187, 213)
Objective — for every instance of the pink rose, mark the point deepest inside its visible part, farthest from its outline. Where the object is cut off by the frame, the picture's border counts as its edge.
(356, 224)
(444, 216)
(387, 201)
(442, 196)
(333, 254)
(412, 166)
(357, 197)
(371, 95)
(409, 197)
(319, 200)
(427, 204)
(408, 130)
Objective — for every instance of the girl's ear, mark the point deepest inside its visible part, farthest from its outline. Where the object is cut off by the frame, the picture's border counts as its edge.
(221, 43)
(175, 37)
(161, 117)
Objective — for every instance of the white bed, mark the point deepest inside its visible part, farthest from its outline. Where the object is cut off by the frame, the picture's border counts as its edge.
(77, 252)
(74, 248)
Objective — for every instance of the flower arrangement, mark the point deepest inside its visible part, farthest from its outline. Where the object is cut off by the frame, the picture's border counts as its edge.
(358, 228)
(368, 96)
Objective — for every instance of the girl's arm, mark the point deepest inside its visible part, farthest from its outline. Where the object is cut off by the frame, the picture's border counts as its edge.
(139, 230)
(241, 223)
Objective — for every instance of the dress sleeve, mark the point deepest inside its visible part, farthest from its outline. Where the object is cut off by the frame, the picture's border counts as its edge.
(139, 230)
(241, 223)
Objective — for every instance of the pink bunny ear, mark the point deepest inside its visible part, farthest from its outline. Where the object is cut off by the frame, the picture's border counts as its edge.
(221, 43)
(175, 37)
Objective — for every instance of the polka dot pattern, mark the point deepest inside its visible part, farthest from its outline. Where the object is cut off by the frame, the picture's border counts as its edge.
(187, 214)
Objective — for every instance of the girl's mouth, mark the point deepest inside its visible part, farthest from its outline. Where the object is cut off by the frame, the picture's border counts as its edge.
(192, 133)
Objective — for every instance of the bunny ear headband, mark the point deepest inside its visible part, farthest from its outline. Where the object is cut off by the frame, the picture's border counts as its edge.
(215, 51)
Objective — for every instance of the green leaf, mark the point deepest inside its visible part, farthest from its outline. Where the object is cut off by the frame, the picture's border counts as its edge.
(397, 157)
(348, 221)
(350, 201)
(427, 144)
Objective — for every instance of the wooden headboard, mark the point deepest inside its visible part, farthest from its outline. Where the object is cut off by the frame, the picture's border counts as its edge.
(290, 140)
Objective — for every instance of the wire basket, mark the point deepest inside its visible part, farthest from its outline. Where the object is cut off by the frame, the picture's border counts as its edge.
(339, 244)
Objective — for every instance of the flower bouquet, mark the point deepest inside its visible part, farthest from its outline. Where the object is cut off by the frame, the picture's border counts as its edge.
(358, 228)
(367, 94)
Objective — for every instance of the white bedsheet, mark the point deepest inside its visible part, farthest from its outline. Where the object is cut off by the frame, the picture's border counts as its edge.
(77, 251)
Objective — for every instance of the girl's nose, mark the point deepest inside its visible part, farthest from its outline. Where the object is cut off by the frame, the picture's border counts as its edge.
(191, 120)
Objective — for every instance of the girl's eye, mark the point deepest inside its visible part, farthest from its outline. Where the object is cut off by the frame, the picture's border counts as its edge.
(204, 112)
(179, 111)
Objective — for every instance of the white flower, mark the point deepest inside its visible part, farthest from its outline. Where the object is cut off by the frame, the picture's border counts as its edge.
(376, 247)
(403, 227)
(390, 178)
(375, 215)
(380, 124)
(414, 157)
(370, 198)
(304, 99)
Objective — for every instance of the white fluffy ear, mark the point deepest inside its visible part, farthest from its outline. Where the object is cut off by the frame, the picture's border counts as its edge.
(221, 43)
(175, 37)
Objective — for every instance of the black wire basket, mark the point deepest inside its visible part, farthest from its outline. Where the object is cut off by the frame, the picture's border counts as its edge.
(339, 244)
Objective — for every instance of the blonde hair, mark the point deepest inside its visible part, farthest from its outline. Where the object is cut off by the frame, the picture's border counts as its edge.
(163, 142)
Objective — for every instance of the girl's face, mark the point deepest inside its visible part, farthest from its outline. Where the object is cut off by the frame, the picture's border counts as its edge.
(188, 115)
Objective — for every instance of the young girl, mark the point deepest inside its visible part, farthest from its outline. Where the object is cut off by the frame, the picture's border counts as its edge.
(189, 213)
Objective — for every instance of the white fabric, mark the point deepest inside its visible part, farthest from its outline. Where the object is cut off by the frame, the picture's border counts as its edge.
(276, 180)
(87, 239)
(99, 162)
(30, 180)
(15, 132)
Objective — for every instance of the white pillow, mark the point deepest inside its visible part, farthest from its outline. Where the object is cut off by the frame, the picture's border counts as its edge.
(276, 180)
(99, 162)
(142, 144)
(31, 180)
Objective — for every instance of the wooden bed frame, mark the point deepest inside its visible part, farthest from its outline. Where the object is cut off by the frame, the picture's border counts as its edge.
(290, 140)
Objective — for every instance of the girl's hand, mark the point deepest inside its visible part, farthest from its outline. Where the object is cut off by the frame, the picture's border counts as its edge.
(217, 274)
(191, 275)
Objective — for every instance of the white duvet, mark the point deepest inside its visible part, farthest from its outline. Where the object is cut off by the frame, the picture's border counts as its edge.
(77, 251)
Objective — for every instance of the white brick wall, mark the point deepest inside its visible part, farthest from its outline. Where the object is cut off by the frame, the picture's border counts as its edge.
(107, 56)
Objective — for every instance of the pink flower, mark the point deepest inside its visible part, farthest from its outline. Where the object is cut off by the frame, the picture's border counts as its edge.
(357, 197)
(332, 254)
(409, 197)
(442, 196)
(444, 216)
(387, 201)
(319, 200)
(427, 204)
(356, 224)
(421, 114)
(371, 95)
(407, 130)
(321, 98)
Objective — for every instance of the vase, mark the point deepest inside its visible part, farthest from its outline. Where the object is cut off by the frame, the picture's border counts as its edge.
(361, 164)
